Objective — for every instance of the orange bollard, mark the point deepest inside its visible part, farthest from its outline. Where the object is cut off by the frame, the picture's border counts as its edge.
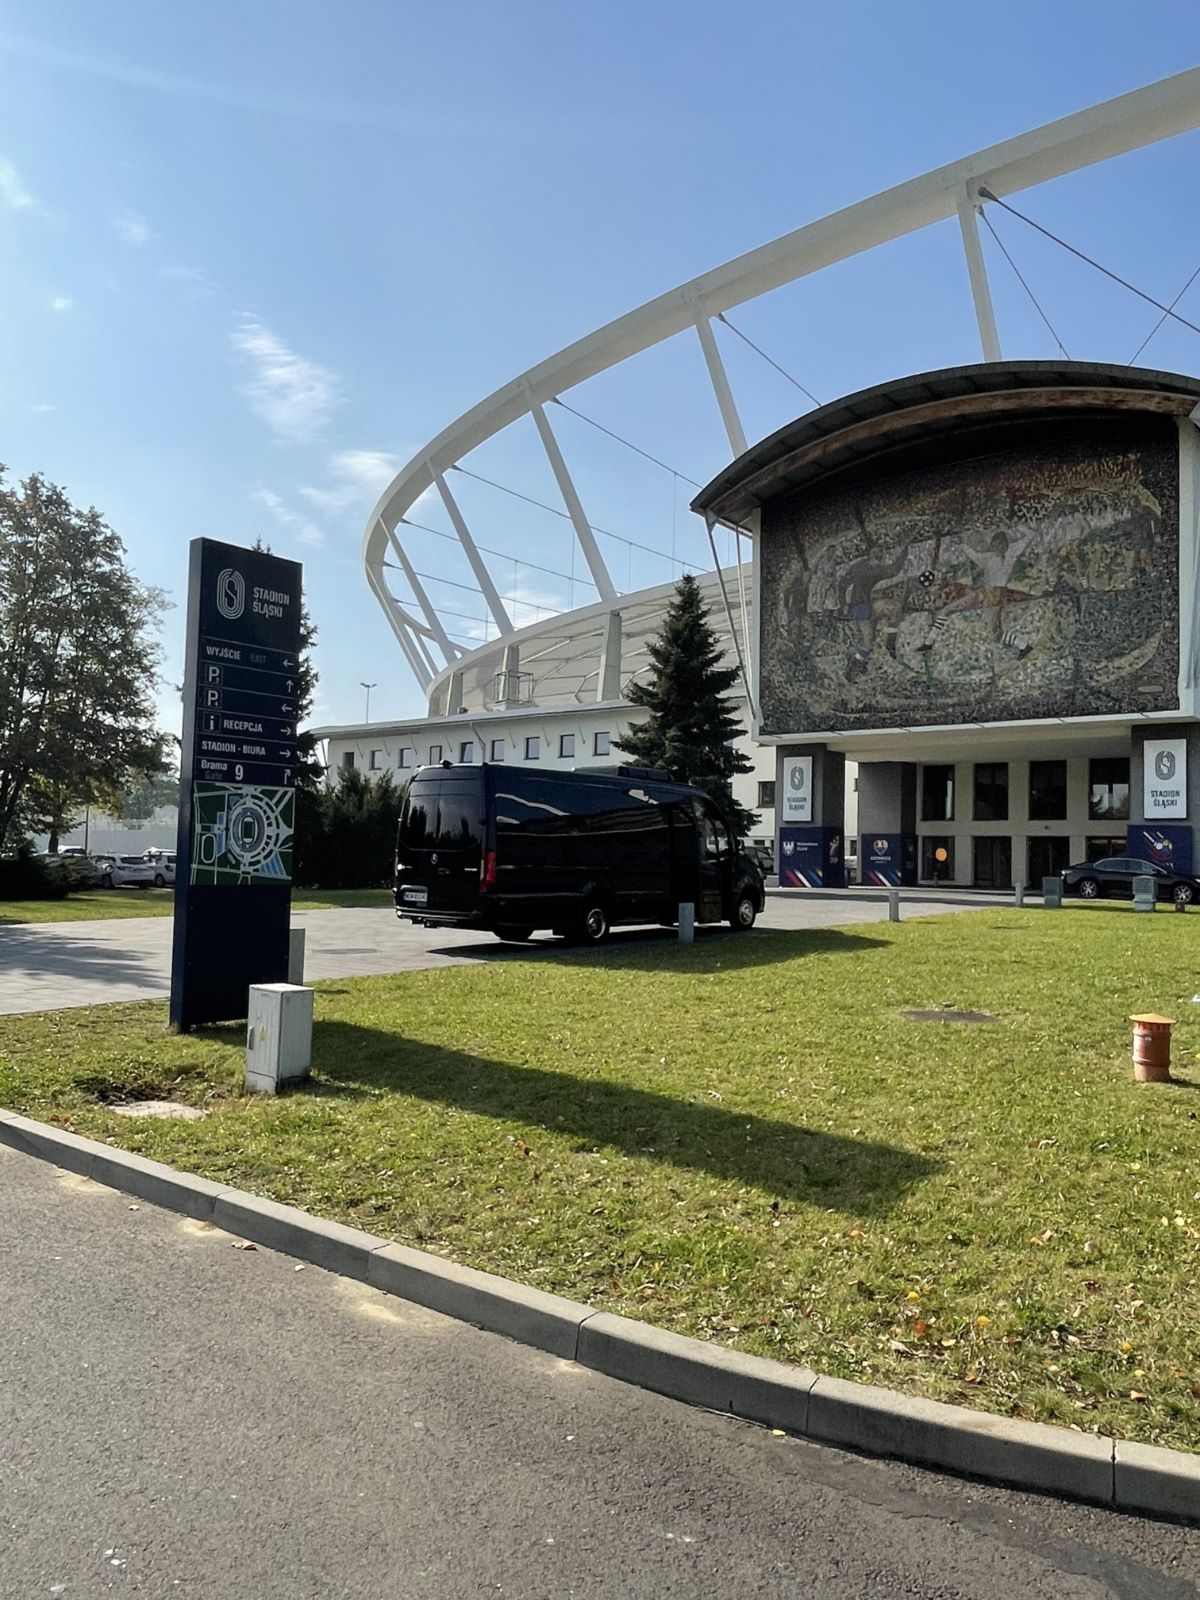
(1152, 1047)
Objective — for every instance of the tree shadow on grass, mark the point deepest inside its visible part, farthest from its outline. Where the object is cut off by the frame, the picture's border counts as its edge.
(784, 1161)
(648, 949)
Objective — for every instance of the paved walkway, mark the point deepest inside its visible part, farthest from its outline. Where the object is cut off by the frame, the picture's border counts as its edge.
(183, 1419)
(48, 966)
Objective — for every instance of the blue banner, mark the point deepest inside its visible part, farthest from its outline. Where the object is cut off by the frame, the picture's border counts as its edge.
(811, 858)
(887, 860)
(1166, 844)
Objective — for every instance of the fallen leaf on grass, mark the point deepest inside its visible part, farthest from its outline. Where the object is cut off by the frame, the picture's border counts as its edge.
(1136, 1394)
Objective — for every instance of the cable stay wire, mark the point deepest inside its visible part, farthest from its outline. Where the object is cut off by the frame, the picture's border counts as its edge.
(628, 443)
(770, 360)
(556, 511)
(1163, 318)
(501, 555)
(987, 194)
(987, 221)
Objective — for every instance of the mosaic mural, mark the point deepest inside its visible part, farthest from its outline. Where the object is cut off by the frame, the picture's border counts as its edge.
(1042, 582)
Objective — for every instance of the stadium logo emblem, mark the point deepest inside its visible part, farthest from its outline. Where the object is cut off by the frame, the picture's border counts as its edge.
(231, 593)
(796, 779)
(880, 847)
(1164, 765)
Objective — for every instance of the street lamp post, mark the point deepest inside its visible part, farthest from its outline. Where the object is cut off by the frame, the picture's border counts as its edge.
(368, 687)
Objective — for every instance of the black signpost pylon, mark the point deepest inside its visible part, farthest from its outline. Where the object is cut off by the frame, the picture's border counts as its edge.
(237, 781)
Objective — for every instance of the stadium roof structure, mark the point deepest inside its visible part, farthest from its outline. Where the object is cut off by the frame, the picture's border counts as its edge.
(591, 652)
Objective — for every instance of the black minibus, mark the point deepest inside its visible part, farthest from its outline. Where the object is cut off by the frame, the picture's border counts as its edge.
(511, 849)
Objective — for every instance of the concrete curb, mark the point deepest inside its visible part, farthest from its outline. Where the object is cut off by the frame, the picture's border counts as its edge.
(979, 1444)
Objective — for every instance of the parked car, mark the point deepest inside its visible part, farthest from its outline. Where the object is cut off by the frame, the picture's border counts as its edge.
(127, 872)
(163, 864)
(1113, 876)
(511, 850)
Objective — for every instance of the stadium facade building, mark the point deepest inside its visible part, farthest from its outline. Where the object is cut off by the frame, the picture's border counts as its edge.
(976, 586)
(980, 584)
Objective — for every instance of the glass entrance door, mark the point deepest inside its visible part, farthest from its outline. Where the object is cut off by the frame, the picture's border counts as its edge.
(993, 863)
(1047, 858)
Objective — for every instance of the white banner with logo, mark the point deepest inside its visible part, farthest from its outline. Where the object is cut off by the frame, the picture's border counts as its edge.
(797, 789)
(1164, 779)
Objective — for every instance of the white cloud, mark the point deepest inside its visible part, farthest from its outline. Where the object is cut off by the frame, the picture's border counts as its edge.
(42, 408)
(356, 476)
(525, 603)
(12, 191)
(305, 530)
(194, 282)
(62, 302)
(292, 395)
(133, 229)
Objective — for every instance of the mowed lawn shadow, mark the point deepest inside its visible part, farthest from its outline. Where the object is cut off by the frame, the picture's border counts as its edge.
(651, 948)
(784, 1161)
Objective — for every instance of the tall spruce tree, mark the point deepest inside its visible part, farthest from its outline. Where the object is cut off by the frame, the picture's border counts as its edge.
(691, 726)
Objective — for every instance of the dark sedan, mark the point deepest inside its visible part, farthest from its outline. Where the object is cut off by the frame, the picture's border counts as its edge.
(1114, 876)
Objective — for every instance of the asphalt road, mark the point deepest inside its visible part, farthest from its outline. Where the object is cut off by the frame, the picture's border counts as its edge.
(184, 1419)
(47, 966)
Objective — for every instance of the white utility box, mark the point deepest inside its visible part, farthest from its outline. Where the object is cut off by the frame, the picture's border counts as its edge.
(278, 1035)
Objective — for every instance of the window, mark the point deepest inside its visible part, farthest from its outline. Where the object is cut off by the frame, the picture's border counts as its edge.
(435, 754)
(1047, 791)
(533, 748)
(1101, 846)
(937, 859)
(601, 744)
(406, 757)
(566, 745)
(766, 795)
(1108, 788)
(376, 760)
(497, 749)
(991, 791)
(937, 794)
(348, 759)
(466, 751)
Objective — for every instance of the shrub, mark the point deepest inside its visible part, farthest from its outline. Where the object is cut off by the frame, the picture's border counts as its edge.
(26, 876)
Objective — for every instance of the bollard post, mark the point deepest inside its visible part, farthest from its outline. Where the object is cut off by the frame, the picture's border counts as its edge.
(1018, 894)
(296, 956)
(278, 1035)
(893, 905)
(687, 922)
(1152, 1047)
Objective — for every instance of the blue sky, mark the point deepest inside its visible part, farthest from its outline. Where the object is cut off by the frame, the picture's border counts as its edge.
(253, 257)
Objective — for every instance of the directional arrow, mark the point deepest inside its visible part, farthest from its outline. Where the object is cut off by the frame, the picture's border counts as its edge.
(289, 686)
(286, 754)
(286, 708)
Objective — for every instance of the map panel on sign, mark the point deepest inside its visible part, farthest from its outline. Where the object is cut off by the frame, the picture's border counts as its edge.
(241, 833)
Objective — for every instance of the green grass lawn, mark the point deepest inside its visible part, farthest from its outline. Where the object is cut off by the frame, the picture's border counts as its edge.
(743, 1139)
(102, 904)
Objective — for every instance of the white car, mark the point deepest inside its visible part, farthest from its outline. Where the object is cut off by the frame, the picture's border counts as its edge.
(127, 872)
(162, 864)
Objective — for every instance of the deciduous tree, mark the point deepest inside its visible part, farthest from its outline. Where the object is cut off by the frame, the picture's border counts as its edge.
(79, 661)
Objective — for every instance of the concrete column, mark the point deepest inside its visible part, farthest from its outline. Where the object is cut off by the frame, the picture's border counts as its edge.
(1183, 831)
(887, 822)
(608, 683)
(817, 845)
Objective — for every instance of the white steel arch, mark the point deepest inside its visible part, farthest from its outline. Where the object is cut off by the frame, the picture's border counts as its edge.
(1114, 127)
